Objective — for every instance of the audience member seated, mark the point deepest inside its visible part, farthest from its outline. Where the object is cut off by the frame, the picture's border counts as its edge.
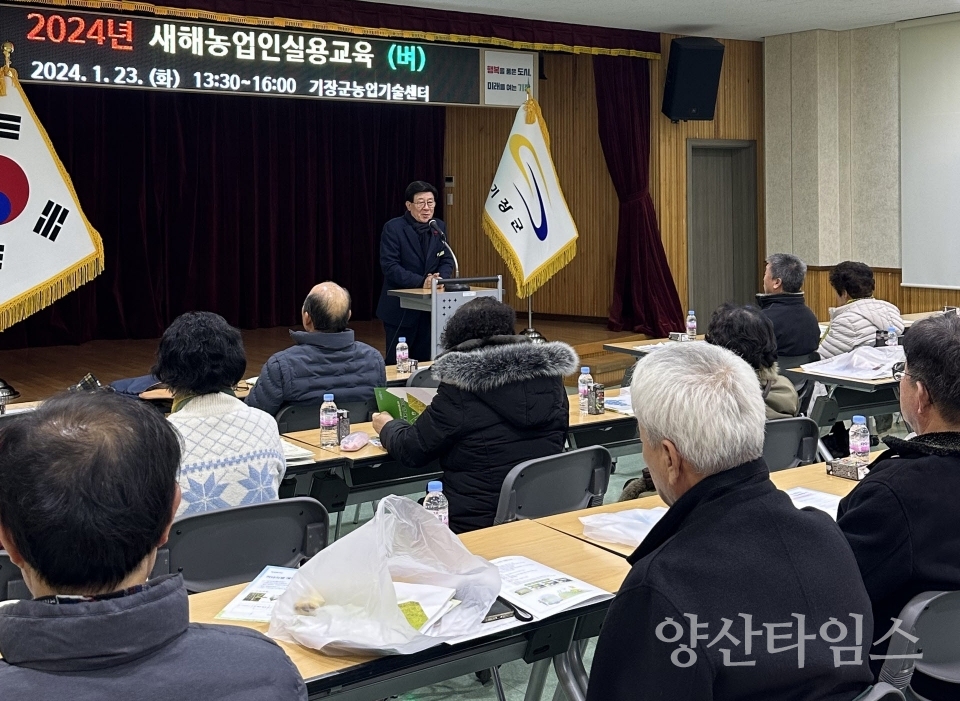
(88, 490)
(501, 401)
(858, 316)
(794, 323)
(232, 454)
(902, 520)
(749, 334)
(732, 556)
(326, 358)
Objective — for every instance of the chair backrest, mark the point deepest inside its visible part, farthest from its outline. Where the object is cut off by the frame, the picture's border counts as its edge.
(306, 415)
(790, 442)
(804, 387)
(422, 378)
(12, 585)
(933, 618)
(231, 546)
(554, 484)
(881, 692)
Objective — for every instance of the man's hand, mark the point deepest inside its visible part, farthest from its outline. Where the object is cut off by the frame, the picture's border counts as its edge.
(429, 278)
(381, 419)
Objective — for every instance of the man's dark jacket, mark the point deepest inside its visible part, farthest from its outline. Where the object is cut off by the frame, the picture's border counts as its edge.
(137, 646)
(406, 258)
(734, 544)
(500, 402)
(903, 523)
(317, 364)
(794, 323)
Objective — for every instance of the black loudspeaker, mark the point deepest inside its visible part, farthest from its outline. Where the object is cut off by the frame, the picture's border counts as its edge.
(693, 76)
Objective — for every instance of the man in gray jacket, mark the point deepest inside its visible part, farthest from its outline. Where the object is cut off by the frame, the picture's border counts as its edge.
(88, 489)
(326, 358)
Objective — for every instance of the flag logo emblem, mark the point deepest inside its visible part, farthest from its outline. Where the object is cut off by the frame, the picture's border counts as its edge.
(51, 221)
(14, 190)
(9, 126)
(526, 216)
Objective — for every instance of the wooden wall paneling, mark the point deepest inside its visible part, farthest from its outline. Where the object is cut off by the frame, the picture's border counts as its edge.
(739, 115)
(475, 138)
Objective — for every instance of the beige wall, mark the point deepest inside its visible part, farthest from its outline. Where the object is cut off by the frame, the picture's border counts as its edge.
(832, 135)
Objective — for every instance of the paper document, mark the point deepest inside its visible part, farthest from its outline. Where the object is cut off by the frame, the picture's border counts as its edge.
(542, 591)
(623, 527)
(256, 601)
(423, 604)
(864, 363)
(620, 404)
(802, 497)
(252, 380)
(296, 454)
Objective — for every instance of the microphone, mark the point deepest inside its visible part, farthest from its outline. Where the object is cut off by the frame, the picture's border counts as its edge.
(435, 228)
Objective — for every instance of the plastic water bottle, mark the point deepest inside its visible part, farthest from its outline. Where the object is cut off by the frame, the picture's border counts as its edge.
(403, 355)
(436, 503)
(891, 336)
(583, 388)
(328, 423)
(691, 325)
(860, 440)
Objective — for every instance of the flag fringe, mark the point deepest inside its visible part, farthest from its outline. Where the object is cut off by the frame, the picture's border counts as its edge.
(541, 275)
(46, 293)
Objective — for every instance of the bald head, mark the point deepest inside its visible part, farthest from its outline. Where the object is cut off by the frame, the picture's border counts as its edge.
(326, 308)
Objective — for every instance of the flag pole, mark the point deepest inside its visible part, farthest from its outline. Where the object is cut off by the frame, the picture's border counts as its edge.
(530, 332)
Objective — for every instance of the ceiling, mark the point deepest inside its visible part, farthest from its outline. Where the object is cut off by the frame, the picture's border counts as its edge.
(729, 19)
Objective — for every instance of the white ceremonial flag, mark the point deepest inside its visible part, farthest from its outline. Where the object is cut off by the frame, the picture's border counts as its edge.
(525, 215)
(47, 246)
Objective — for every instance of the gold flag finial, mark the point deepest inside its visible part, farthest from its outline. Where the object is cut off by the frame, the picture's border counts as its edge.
(7, 50)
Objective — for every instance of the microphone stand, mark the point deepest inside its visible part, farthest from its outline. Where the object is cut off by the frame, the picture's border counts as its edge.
(454, 286)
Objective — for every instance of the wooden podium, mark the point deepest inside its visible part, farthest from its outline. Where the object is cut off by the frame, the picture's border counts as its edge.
(442, 305)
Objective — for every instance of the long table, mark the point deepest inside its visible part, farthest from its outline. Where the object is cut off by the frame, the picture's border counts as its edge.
(365, 678)
(810, 476)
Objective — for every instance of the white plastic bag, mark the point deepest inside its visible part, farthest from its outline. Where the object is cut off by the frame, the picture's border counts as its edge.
(623, 527)
(349, 586)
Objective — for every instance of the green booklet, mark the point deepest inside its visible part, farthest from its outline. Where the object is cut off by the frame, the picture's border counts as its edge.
(396, 406)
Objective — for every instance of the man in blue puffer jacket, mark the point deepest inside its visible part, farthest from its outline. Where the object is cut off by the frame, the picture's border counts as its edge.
(326, 358)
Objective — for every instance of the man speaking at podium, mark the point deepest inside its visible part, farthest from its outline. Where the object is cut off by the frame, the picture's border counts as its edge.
(411, 255)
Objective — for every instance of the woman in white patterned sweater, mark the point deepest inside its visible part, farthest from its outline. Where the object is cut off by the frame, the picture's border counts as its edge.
(232, 454)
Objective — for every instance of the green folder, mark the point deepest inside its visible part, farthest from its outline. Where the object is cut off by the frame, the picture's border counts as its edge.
(395, 406)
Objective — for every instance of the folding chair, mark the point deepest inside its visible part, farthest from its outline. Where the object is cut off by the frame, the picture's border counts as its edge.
(422, 378)
(790, 442)
(230, 546)
(305, 416)
(12, 585)
(932, 619)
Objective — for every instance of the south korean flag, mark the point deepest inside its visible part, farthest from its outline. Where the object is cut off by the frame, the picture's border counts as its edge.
(48, 246)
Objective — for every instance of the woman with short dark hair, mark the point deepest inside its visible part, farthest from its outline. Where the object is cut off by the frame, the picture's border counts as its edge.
(501, 401)
(232, 454)
(855, 320)
(749, 333)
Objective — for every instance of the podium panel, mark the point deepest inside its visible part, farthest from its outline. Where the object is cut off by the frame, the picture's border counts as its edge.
(443, 305)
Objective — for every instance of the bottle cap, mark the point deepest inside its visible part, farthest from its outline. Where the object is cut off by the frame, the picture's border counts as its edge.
(891, 328)
(859, 420)
(435, 486)
(584, 370)
(328, 397)
(403, 339)
(689, 312)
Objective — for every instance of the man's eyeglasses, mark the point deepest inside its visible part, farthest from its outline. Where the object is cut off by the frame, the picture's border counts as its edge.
(899, 370)
(424, 204)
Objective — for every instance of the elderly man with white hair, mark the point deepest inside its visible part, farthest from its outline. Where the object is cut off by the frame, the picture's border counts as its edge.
(735, 593)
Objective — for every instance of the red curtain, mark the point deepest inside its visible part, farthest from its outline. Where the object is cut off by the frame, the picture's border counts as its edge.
(372, 14)
(645, 297)
(232, 204)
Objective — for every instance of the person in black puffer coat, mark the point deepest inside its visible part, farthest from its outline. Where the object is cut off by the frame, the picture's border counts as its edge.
(501, 401)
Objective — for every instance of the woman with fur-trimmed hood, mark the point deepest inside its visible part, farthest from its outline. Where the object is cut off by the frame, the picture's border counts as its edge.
(501, 401)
